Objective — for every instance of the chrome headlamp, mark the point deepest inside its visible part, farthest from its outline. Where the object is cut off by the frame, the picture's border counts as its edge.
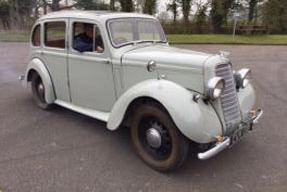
(242, 77)
(216, 86)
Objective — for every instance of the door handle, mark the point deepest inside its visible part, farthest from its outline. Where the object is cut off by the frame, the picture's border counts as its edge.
(106, 61)
(39, 52)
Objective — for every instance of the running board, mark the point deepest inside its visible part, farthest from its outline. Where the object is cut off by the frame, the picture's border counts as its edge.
(103, 116)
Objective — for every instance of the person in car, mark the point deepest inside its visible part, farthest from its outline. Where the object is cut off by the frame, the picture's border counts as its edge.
(84, 41)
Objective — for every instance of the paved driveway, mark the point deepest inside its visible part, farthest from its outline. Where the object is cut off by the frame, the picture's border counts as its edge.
(61, 150)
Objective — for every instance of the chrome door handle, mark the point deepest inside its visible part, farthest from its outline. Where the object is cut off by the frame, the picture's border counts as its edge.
(107, 61)
(39, 52)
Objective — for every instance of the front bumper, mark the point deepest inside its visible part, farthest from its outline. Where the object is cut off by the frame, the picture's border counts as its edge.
(228, 141)
(22, 79)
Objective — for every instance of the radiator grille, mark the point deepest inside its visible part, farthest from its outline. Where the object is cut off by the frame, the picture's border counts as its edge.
(229, 100)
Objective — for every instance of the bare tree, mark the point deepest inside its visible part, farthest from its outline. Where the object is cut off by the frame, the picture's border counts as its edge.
(150, 6)
(14, 14)
(186, 7)
(127, 5)
(200, 15)
(55, 5)
(4, 14)
(112, 5)
(173, 7)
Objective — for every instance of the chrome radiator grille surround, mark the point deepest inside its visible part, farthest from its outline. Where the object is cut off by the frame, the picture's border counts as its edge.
(228, 99)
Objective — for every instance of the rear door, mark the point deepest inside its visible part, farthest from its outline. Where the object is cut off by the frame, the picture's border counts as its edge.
(55, 54)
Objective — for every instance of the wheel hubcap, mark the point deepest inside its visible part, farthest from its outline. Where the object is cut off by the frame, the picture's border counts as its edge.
(153, 138)
(41, 90)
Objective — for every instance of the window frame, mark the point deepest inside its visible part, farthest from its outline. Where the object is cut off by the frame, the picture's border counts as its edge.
(32, 35)
(74, 21)
(45, 32)
(124, 18)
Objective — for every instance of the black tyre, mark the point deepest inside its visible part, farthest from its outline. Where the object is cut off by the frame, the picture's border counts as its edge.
(156, 138)
(38, 91)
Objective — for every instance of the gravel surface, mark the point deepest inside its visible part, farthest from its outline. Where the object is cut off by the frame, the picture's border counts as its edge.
(60, 150)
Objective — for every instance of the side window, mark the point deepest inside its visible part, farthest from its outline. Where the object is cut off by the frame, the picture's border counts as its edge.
(55, 34)
(36, 36)
(87, 38)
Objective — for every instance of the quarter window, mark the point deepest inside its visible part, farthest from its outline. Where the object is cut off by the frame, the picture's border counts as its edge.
(36, 36)
(87, 38)
(55, 34)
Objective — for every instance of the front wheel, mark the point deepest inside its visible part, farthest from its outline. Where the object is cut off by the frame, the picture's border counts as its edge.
(156, 138)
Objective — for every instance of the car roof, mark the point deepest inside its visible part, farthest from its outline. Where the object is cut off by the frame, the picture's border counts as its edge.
(99, 15)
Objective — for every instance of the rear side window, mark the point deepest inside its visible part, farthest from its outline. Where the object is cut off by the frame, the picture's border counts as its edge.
(36, 36)
(55, 34)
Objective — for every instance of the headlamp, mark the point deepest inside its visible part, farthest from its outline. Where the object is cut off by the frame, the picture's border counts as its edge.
(242, 77)
(216, 86)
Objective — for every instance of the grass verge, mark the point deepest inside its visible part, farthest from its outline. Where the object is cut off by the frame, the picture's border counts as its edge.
(228, 39)
(182, 39)
(17, 36)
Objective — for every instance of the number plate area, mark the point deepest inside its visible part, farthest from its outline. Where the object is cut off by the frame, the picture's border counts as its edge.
(237, 135)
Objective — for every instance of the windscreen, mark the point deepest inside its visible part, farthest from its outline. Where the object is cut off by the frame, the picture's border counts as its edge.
(128, 30)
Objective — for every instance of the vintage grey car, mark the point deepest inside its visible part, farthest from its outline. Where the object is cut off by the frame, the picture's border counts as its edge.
(119, 68)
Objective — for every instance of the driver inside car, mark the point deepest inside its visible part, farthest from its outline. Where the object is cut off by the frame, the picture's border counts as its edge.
(83, 42)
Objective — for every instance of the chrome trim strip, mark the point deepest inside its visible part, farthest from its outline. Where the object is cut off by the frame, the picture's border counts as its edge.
(215, 150)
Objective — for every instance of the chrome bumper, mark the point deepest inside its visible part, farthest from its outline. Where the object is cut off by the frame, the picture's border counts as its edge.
(21, 78)
(215, 150)
(220, 146)
(256, 118)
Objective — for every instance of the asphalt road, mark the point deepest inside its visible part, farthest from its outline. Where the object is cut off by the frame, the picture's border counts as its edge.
(61, 151)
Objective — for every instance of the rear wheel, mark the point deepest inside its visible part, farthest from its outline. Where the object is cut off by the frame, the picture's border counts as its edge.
(38, 91)
(156, 138)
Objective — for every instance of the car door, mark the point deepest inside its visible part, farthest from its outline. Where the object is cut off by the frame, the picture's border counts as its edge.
(55, 53)
(90, 72)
